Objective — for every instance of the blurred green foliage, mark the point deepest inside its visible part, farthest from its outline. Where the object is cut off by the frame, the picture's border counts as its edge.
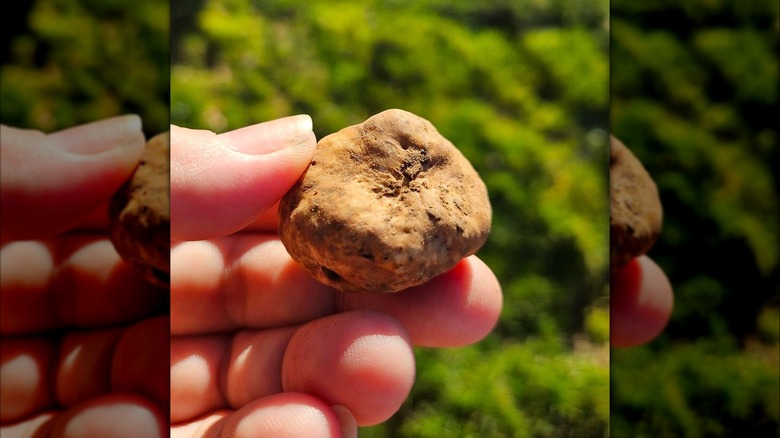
(521, 88)
(70, 62)
(695, 96)
(597, 325)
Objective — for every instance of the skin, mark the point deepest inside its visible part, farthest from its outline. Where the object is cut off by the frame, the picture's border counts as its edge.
(641, 302)
(72, 312)
(256, 342)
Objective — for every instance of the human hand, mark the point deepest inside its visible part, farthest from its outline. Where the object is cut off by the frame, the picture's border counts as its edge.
(641, 302)
(258, 347)
(83, 346)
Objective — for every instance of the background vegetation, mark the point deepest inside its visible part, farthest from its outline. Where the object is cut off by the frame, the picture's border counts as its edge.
(68, 62)
(695, 96)
(521, 87)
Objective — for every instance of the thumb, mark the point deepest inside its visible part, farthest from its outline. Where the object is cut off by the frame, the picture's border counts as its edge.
(221, 183)
(50, 182)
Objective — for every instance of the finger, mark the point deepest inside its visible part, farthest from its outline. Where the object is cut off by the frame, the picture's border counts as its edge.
(359, 360)
(36, 426)
(115, 415)
(284, 415)
(255, 364)
(196, 367)
(454, 309)
(141, 362)
(84, 365)
(132, 359)
(641, 303)
(96, 221)
(347, 421)
(50, 182)
(209, 425)
(249, 280)
(245, 367)
(281, 415)
(266, 222)
(220, 184)
(245, 280)
(25, 380)
(73, 281)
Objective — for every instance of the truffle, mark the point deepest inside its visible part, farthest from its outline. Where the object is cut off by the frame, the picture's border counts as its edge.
(140, 213)
(635, 212)
(384, 205)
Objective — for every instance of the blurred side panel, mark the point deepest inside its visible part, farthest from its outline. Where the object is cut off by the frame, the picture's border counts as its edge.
(694, 89)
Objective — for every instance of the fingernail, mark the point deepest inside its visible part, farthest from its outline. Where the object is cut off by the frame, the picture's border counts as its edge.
(288, 133)
(347, 421)
(267, 137)
(101, 136)
(302, 126)
(304, 139)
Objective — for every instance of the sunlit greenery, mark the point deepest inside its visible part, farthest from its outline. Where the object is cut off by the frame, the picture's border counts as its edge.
(521, 87)
(695, 96)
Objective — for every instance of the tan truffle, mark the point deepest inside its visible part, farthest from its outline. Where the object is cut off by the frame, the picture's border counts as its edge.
(635, 208)
(140, 213)
(385, 205)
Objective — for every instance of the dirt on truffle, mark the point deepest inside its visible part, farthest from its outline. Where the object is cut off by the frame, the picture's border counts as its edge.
(385, 205)
(635, 208)
(140, 214)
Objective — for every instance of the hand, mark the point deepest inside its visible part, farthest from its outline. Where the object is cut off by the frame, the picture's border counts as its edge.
(83, 353)
(258, 347)
(641, 302)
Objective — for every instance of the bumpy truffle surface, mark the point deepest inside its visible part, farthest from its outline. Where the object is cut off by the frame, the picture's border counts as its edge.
(384, 205)
(140, 213)
(635, 208)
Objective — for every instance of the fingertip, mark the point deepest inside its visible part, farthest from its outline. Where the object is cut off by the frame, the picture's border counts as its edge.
(467, 301)
(360, 360)
(659, 294)
(26, 383)
(346, 420)
(455, 309)
(116, 415)
(132, 122)
(642, 302)
(284, 415)
(485, 303)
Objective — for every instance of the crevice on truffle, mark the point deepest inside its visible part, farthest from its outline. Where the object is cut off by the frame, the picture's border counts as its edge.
(331, 275)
